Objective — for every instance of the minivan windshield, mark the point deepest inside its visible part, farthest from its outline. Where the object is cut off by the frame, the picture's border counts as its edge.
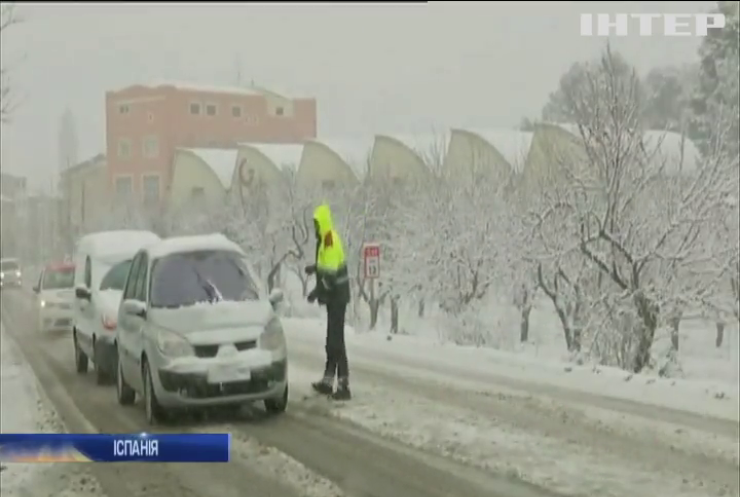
(115, 278)
(59, 278)
(204, 276)
(9, 266)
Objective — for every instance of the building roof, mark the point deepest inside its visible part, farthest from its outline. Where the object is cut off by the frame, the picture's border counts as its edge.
(354, 151)
(222, 162)
(670, 149)
(426, 145)
(675, 151)
(284, 156)
(512, 144)
(96, 160)
(198, 87)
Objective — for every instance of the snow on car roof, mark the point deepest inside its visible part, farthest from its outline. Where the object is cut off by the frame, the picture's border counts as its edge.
(512, 144)
(222, 162)
(118, 243)
(354, 151)
(283, 156)
(181, 244)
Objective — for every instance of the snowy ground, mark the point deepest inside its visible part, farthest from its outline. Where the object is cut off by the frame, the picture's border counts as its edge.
(25, 409)
(455, 401)
(575, 430)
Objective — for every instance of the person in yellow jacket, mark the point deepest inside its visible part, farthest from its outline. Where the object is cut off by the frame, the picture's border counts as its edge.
(332, 290)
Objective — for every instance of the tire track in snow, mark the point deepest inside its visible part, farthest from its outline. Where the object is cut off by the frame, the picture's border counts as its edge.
(531, 415)
(362, 464)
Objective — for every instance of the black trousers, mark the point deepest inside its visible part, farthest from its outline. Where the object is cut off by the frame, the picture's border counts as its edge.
(336, 351)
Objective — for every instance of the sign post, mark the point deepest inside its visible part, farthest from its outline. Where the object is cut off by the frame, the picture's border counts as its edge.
(371, 260)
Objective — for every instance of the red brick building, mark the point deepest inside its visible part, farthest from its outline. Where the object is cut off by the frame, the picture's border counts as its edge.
(145, 124)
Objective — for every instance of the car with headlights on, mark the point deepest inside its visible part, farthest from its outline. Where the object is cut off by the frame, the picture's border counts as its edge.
(11, 275)
(196, 330)
(54, 297)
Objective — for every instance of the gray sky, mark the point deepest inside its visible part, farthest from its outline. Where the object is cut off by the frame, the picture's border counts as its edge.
(373, 68)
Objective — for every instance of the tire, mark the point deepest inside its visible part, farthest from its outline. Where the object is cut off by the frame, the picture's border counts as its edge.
(80, 357)
(155, 414)
(277, 405)
(126, 395)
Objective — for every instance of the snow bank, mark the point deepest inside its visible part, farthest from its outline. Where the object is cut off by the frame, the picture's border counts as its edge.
(25, 409)
(477, 368)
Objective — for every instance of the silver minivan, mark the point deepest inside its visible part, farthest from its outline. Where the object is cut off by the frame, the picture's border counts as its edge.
(195, 329)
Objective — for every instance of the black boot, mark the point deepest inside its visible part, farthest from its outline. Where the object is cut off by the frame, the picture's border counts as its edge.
(343, 392)
(325, 386)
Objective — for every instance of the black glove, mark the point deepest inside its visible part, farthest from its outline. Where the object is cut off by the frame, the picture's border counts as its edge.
(311, 297)
(310, 269)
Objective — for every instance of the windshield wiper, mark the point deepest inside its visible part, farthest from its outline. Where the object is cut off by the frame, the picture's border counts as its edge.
(213, 294)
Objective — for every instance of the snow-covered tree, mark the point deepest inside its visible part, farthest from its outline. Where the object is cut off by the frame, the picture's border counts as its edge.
(640, 220)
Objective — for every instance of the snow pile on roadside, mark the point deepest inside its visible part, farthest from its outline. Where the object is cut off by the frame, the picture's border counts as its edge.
(25, 409)
(477, 368)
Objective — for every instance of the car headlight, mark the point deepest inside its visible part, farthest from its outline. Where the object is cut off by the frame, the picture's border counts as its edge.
(173, 345)
(273, 337)
(2, 275)
(18, 274)
(43, 303)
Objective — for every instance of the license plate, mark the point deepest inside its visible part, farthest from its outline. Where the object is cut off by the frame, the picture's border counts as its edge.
(65, 306)
(64, 322)
(223, 373)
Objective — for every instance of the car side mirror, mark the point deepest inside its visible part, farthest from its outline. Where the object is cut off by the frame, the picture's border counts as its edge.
(134, 308)
(276, 296)
(36, 289)
(82, 293)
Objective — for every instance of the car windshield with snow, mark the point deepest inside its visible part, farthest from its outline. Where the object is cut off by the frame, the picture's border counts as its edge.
(185, 279)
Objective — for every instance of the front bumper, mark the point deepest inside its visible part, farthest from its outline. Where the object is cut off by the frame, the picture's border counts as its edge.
(55, 318)
(11, 282)
(193, 389)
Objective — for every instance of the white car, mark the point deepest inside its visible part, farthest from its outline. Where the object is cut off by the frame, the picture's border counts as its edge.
(54, 297)
(10, 273)
(196, 329)
(102, 263)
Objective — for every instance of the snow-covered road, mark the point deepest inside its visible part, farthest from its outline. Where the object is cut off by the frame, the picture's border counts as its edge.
(597, 435)
(24, 408)
(427, 421)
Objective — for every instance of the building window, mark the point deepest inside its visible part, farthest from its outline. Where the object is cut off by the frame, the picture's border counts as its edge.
(150, 187)
(124, 109)
(236, 111)
(150, 147)
(124, 148)
(328, 184)
(211, 110)
(279, 111)
(195, 108)
(197, 193)
(124, 187)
